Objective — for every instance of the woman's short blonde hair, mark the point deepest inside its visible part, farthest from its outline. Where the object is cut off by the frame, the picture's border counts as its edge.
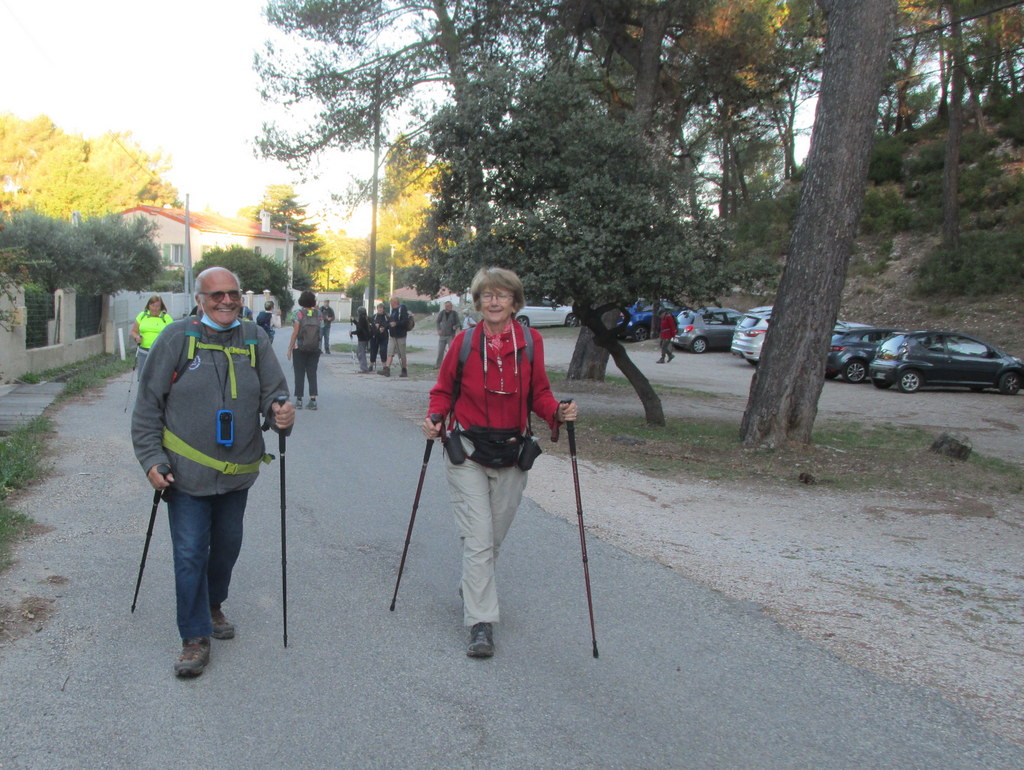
(498, 279)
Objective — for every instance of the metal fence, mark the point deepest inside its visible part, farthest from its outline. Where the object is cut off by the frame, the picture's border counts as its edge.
(39, 311)
(88, 315)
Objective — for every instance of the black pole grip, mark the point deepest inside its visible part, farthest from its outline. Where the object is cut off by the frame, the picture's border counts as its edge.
(282, 400)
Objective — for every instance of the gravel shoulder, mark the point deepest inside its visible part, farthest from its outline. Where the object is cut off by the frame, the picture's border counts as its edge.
(926, 589)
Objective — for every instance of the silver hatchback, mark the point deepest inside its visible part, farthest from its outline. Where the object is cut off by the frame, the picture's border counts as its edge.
(709, 328)
(748, 336)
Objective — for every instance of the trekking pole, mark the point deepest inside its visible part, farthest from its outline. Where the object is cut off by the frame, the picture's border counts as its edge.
(435, 418)
(281, 436)
(163, 470)
(130, 382)
(571, 429)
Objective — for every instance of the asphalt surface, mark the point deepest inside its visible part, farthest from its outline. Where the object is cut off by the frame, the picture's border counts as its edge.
(686, 678)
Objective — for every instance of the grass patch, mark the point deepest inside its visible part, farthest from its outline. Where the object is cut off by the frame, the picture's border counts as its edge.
(21, 462)
(22, 453)
(84, 374)
(844, 456)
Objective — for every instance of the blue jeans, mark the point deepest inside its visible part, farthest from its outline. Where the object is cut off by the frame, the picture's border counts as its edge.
(206, 533)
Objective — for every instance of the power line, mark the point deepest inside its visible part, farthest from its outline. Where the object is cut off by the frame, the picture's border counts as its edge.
(961, 20)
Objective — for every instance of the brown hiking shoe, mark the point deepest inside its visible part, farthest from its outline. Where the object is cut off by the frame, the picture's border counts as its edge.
(222, 628)
(195, 654)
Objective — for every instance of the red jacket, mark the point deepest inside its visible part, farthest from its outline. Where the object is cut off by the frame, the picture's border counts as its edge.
(485, 408)
(668, 326)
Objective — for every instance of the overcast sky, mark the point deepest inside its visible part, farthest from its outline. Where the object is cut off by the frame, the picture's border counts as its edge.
(178, 76)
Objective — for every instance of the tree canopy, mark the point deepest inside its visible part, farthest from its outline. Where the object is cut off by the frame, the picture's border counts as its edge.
(99, 255)
(54, 173)
(256, 272)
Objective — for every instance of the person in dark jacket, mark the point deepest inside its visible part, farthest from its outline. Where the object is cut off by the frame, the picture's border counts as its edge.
(362, 335)
(398, 327)
(174, 424)
(448, 324)
(378, 337)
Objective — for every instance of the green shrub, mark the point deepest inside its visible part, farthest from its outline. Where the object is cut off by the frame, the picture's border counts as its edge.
(885, 210)
(886, 163)
(986, 262)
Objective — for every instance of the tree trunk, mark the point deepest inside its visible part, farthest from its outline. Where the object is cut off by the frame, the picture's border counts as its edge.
(951, 163)
(597, 330)
(784, 392)
(589, 361)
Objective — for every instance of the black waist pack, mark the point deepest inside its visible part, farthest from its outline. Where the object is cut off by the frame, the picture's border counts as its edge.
(494, 448)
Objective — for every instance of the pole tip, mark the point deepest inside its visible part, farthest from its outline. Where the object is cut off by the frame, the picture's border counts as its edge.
(595, 650)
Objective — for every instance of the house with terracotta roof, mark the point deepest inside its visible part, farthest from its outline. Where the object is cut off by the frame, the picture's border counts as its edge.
(207, 231)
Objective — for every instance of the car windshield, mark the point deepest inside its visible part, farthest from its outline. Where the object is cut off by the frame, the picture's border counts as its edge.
(892, 345)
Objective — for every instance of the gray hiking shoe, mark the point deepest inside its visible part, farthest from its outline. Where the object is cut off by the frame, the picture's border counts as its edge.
(298, 403)
(222, 627)
(481, 641)
(195, 655)
(311, 406)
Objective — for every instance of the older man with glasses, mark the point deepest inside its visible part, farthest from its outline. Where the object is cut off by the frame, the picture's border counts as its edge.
(208, 385)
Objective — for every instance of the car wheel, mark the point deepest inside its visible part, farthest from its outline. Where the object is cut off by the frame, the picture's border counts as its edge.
(855, 371)
(909, 381)
(641, 333)
(572, 320)
(831, 375)
(752, 361)
(881, 384)
(1009, 383)
(699, 345)
(524, 320)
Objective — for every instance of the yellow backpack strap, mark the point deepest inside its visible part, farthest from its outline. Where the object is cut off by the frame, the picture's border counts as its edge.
(176, 445)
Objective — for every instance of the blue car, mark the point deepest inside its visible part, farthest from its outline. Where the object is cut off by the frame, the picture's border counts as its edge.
(637, 324)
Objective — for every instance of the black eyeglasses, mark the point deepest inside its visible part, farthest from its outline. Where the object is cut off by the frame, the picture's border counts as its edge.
(218, 296)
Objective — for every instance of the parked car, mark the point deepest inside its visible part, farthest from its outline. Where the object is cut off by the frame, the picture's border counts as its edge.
(913, 360)
(635, 324)
(546, 313)
(708, 328)
(748, 334)
(851, 351)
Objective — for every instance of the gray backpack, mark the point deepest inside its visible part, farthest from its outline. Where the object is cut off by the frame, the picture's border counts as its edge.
(308, 340)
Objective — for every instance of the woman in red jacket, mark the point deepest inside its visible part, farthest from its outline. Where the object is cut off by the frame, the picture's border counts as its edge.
(487, 413)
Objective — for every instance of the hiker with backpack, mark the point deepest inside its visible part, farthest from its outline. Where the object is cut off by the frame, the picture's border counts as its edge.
(486, 390)
(208, 385)
(304, 348)
(379, 337)
(400, 323)
(148, 325)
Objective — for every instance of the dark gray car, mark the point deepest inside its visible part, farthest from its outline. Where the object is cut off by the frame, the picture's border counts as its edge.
(911, 361)
(851, 351)
(708, 328)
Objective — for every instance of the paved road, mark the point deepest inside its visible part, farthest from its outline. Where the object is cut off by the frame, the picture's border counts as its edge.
(686, 678)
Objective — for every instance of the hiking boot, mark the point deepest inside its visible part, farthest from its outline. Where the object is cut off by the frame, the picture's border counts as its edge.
(222, 627)
(660, 361)
(311, 406)
(298, 403)
(404, 373)
(386, 371)
(195, 654)
(671, 356)
(481, 641)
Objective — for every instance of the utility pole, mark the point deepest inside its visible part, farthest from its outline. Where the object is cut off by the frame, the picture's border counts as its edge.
(188, 253)
(374, 191)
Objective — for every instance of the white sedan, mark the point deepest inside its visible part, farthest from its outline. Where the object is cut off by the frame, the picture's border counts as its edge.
(546, 313)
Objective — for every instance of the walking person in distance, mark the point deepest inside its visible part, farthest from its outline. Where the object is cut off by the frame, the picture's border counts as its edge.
(209, 384)
(668, 330)
(487, 409)
(362, 335)
(148, 325)
(327, 318)
(448, 325)
(379, 337)
(304, 348)
(398, 328)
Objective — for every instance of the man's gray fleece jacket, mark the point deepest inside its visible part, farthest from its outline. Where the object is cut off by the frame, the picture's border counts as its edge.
(189, 407)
